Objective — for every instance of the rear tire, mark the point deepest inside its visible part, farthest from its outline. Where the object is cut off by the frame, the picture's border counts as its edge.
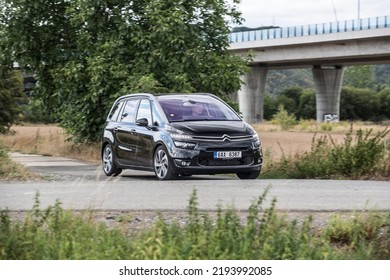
(163, 164)
(108, 160)
(248, 175)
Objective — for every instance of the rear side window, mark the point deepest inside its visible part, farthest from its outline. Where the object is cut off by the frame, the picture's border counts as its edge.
(115, 111)
(129, 110)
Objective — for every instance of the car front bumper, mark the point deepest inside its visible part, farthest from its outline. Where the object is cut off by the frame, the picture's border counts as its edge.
(201, 160)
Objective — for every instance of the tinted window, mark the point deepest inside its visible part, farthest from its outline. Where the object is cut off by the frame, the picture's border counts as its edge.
(115, 111)
(196, 107)
(157, 118)
(129, 110)
(144, 111)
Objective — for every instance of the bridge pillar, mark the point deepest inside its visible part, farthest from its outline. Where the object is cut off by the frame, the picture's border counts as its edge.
(328, 88)
(251, 95)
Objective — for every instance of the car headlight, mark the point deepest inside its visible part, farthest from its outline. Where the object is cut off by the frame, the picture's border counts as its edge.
(256, 144)
(184, 145)
(181, 136)
(181, 141)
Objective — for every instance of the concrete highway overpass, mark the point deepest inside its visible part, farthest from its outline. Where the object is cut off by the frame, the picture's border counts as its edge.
(326, 48)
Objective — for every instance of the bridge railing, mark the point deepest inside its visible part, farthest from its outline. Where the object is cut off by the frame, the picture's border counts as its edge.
(311, 29)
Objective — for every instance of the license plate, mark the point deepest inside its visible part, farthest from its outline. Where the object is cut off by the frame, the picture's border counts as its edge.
(227, 154)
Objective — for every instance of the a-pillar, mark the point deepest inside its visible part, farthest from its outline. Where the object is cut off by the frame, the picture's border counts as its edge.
(328, 81)
(251, 95)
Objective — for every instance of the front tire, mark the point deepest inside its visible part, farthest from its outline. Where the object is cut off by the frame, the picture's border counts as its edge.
(163, 164)
(109, 166)
(248, 175)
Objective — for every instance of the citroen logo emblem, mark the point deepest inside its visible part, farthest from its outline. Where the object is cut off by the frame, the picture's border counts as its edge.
(225, 137)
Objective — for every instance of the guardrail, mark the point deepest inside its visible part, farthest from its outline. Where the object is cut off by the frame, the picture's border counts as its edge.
(311, 29)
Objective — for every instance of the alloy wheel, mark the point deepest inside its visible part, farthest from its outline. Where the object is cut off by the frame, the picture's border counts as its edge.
(161, 164)
(107, 159)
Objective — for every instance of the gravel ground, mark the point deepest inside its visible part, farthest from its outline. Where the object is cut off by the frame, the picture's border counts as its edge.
(137, 221)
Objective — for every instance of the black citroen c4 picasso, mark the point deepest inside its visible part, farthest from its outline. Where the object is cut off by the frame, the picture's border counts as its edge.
(179, 135)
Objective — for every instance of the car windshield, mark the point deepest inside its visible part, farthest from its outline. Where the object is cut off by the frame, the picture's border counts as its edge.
(179, 108)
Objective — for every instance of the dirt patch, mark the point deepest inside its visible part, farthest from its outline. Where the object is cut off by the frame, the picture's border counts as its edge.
(49, 140)
(277, 143)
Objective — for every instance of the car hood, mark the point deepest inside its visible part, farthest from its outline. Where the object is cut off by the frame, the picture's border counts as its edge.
(214, 127)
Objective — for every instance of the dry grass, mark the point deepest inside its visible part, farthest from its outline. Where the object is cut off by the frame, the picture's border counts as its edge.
(277, 142)
(10, 170)
(51, 139)
(48, 140)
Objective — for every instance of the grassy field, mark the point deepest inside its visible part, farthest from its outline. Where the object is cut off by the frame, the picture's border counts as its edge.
(287, 153)
(51, 139)
(54, 233)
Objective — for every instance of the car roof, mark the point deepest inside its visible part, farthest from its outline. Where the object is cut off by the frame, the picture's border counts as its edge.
(151, 95)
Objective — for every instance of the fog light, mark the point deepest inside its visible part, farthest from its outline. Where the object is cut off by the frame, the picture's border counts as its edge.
(182, 163)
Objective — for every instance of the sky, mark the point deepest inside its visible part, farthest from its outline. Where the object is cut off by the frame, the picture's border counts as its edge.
(303, 12)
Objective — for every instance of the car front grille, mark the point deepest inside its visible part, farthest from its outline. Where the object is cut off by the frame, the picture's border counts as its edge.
(212, 149)
(223, 138)
(211, 144)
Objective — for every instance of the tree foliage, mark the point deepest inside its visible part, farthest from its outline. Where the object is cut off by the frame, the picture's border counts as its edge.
(11, 98)
(359, 104)
(359, 77)
(355, 104)
(86, 53)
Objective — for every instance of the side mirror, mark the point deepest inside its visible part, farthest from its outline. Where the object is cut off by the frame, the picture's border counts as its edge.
(142, 122)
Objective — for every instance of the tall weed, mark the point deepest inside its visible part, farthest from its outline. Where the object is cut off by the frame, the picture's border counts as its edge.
(10, 170)
(264, 234)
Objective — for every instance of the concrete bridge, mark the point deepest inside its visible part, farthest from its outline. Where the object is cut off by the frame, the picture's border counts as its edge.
(326, 48)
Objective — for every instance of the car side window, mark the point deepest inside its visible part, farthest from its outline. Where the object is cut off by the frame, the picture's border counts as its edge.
(115, 111)
(157, 118)
(144, 111)
(129, 110)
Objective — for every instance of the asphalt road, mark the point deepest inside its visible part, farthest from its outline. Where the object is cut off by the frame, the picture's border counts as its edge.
(81, 185)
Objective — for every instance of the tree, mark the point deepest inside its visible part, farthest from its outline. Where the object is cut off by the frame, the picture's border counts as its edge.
(359, 77)
(290, 98)
(11, 98)
(359, 104)
(86, 53)
(280, 80)
(11, 81)
(270, 107)
(307, 105)
(384, 103)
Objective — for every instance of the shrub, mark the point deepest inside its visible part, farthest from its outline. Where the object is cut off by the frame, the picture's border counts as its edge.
(362, 156)
(284, 119)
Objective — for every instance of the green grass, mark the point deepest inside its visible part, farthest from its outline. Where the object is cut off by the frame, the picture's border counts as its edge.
(57, 234)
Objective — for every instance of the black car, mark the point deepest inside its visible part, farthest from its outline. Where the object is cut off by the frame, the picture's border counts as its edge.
(179, 135)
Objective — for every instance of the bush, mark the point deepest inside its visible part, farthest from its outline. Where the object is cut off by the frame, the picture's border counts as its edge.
(284, 119)
(363, 156)
(359, 104)
(384, 101)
